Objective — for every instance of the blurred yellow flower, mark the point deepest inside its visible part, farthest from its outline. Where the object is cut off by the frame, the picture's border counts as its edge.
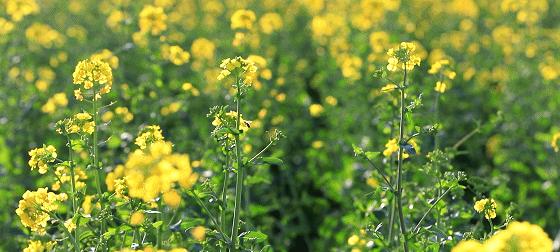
(137, 218)
(175, 54)
(198, 233)
(39, 246)
(152, 20)
(243, 19)
(18, 9)
(316, 110)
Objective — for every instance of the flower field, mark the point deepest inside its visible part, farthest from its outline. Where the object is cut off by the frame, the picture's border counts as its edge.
(270, 125)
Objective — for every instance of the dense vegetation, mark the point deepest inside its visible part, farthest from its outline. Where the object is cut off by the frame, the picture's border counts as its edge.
(305, 125)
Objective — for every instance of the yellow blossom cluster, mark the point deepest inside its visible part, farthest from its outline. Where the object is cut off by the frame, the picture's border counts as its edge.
(518, 236)
(441, 68)
(554, 142)
(152, 20)
(202, 48)
(43, 35)
(486, 206)
(156, 170)
(238, 66)
(270, 22)
(39, 246)
(153, 170)
(5, 26)
(229, 119)
(175, 54)
(106, 55)
(359, 241)
(78, 123)
(63, 175)
(18, 9)
(36, 206)
(95, 76)
(403, 57)
(56, 101)
(315, 110)
(40, 157)
(392, 146)
(243, 19)
(149, 135)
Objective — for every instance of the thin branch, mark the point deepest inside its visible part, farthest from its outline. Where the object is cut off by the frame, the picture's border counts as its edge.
(416, 228)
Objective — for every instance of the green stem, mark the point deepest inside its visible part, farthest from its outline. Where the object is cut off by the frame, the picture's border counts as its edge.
(400, 165)
(416, 229)
(224, 191)
(73, 185)
(96, 159)
(159, 218)
(240, 175)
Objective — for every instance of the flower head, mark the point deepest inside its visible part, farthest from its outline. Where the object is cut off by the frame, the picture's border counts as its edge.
(554, 142)
(39, 246)
(486, 206)
(152, 20)
(79, 123)
(94, 76)
(243, 19)
(33, 210)
(244, 68)
(175, 54)
(403, 57)
(149, 135)
(40, 157)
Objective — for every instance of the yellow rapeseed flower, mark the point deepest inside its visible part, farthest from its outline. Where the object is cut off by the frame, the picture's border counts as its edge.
(33, 210)
(175, 54)
(486, 206)
(555, 141)
(40, 157)
(39, 246)
(137, 218)
(315, 110)
(152, 20)
(243, 19)
(403, 57)
(244, 68)
(94, 76)
(149, 135)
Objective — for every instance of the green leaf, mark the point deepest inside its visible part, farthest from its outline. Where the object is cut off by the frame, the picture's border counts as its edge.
(254, 235)
(85, 235)
(273, 161)
(110, 232)
(157, 224)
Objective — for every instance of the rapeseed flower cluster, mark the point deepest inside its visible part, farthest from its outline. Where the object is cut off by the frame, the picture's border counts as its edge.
(441, 68)
(152, 20)
(63, 175)
(153, 171)
(392, 146)
(78, 123)
(229, 119)
(94, 76)
(41, 157)
(18, 9)
(554, 142)
(56, 101)
(245, 69)
(518, 236)
(243, 19)
(486, 206)
(39, 246)
(36, 206)
(403, 57)
(175, 54)
(149, 135)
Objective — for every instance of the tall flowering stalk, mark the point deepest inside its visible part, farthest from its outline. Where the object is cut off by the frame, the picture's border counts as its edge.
(94, 78)
(402, 58)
